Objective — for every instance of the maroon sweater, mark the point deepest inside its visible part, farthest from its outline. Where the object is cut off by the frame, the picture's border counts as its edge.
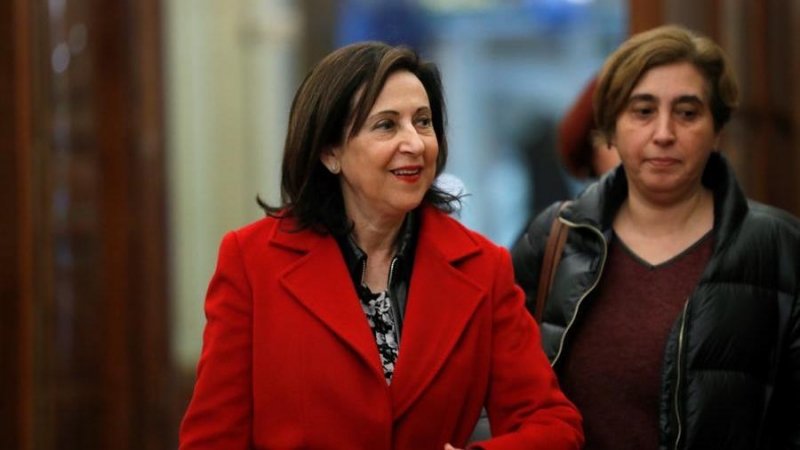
(612, 366)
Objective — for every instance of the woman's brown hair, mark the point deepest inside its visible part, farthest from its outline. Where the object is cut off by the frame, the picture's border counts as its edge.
(338, 93)
(657, 47)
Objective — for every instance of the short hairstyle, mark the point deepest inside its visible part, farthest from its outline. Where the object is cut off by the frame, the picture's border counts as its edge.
(339, 92)
(657, 47)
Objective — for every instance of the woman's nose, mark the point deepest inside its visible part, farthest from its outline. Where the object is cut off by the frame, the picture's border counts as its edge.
(664, 133)
(411, 141)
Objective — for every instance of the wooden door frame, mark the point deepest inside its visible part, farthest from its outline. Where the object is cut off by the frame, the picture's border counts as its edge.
(16, 230)
(136, 385)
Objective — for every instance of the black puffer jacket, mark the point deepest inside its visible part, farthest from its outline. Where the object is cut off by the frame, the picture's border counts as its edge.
(731, 373)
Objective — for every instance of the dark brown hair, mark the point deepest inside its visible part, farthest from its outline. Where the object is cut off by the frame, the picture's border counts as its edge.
(657, 47)
(340, 90)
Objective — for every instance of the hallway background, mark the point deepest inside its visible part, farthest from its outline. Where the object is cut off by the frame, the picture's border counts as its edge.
(135, 133)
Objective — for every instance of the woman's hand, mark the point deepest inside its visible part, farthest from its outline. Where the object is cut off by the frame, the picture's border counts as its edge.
(450, 447)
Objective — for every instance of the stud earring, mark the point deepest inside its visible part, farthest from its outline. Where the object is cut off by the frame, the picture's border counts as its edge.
(334, 167)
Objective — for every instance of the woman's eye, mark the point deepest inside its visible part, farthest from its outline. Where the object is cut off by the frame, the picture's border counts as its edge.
(687, 114)
(384, 125)
(643, 111)
(424, 122)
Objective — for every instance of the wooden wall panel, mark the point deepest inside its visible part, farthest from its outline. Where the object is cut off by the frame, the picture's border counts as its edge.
(645, 14)
(10, 251)
(16, 235)
(764, 130)
(793, 42)
(84, 311)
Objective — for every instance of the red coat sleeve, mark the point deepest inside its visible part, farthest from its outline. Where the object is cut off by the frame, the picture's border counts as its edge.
(526, 408)
(220, 413)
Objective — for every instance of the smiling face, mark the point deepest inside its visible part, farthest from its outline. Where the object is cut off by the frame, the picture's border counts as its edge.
(665, 133)
(386, 168)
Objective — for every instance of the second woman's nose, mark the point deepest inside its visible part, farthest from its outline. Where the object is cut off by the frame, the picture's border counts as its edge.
(664, 134)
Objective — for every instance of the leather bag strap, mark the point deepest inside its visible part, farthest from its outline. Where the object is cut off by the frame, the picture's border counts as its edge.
(552, 255)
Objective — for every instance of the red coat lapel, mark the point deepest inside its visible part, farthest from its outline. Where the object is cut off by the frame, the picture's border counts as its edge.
(320, 282)
(441, 302)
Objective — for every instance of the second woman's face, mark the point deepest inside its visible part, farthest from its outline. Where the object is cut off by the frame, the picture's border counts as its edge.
(388, 166)
(665, 133)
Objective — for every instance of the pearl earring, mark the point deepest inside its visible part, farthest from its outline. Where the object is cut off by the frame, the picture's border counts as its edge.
(335, 167)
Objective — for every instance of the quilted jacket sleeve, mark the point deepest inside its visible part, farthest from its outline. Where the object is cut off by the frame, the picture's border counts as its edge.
(793, 415)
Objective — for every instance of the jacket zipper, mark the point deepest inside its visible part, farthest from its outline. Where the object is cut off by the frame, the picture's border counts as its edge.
(678, 375)
(391, 271)
(363, 272)
(392, 302)
(591, 288)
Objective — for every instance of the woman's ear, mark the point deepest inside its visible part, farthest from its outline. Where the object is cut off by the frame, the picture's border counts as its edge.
(330, 160)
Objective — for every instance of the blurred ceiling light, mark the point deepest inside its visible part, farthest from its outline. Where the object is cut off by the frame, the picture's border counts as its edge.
(459, 5)
(60, 58)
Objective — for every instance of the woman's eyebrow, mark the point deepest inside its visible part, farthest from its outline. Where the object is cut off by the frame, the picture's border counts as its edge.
(642, 98)
(688, 98)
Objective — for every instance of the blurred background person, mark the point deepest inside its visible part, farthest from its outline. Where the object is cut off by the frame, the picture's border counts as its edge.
(358, 314)
(546, 175)
(583, 158)
(673, 319)
(561, 157)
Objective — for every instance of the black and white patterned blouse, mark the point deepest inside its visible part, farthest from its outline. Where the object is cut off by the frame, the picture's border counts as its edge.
(380, 316)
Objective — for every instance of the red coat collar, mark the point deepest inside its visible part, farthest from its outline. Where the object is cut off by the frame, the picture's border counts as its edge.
(442, 299)
(439, 231)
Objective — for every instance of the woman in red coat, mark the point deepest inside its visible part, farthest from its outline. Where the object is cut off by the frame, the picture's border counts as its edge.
(358, 314)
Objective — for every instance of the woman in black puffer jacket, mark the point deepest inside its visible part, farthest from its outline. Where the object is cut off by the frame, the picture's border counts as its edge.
(673, 320)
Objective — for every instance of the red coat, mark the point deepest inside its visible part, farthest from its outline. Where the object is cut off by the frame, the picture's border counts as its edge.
(289, 360)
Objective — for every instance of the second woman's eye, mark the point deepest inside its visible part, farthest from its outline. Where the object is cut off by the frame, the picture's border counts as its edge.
(687, 113)
(643, 110)
(384, 124)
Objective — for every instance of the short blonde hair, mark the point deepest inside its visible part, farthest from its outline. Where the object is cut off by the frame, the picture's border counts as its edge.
(657, 47)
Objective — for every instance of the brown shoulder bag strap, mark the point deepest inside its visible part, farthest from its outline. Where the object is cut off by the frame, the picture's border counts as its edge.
(552, 255)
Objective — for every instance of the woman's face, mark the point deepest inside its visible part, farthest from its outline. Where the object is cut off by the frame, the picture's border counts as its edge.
(665, 133)
(388, 166)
